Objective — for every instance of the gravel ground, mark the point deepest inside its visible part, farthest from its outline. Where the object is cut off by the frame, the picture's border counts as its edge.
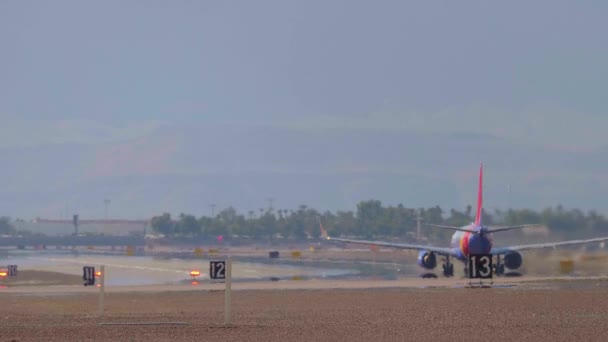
(554, 313)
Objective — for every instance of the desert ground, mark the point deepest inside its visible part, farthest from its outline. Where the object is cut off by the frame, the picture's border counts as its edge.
(47, 305)
(551, 312)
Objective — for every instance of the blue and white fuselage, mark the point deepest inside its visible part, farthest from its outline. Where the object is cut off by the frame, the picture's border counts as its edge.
(476, 240)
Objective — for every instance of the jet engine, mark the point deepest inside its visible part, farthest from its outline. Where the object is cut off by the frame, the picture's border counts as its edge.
(512, 260)
(427, 260)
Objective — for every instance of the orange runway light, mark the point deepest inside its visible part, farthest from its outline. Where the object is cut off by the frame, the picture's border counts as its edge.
(195, 273)
(3, 274)
(98, 274)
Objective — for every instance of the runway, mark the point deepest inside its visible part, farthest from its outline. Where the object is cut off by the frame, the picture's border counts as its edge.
(337, 269)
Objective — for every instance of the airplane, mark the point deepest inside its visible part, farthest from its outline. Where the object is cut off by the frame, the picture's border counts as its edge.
(474, 238)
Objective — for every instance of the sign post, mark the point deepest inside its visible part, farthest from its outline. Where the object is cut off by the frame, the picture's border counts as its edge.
(222, 270)
(228, 294)
(102, 283)
(75, 222)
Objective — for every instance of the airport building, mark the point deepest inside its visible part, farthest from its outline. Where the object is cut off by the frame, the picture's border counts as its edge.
(85, 227)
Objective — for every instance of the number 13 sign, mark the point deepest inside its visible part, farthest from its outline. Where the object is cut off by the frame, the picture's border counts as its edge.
(480, 266)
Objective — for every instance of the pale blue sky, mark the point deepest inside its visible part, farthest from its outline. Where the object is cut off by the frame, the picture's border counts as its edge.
(532, 72)
(117, 61)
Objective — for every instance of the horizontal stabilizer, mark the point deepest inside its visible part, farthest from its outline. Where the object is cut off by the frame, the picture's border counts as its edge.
(485, 230)
(502, 229)
(460, 229)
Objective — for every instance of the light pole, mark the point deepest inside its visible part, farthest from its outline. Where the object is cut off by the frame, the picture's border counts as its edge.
(418, 219)
(212, 210)
(106, 204)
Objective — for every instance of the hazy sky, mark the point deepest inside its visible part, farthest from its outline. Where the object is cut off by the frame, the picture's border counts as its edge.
(528, 67)
(532, 72)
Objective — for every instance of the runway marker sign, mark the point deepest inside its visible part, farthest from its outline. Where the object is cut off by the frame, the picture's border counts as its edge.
(480, 266)
(12, 270)
(88, 275)
(217, 270)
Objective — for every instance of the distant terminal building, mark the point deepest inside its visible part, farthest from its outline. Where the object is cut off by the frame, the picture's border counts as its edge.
(97, 227)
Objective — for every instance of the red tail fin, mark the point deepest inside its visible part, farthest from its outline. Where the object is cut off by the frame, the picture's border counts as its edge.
(323, 231)
(479, 197)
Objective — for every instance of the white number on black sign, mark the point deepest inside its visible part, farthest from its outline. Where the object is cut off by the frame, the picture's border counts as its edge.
(88, 275)
(217, 269)
(480, 266)
(12, 270)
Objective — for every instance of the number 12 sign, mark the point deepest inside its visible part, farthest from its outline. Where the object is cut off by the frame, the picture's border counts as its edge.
(217, 269)
(480, 266)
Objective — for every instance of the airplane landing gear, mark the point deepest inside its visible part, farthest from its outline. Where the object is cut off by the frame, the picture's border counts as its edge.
(499, 268)
(448, 267)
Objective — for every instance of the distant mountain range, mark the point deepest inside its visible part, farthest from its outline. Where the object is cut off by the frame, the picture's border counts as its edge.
(185, 168)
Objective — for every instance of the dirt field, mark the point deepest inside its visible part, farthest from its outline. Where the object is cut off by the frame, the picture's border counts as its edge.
(577, 311)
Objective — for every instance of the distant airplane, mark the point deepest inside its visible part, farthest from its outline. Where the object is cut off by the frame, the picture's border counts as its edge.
(471, 239)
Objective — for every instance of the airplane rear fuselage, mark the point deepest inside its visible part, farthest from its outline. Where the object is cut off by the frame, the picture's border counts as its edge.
(472, 243)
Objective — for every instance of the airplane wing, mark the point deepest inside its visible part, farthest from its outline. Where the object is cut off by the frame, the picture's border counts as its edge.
(438, 250)
(503, 250)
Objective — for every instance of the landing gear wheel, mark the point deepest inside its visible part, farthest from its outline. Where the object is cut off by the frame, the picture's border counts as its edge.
(448, 268)
(500, 270)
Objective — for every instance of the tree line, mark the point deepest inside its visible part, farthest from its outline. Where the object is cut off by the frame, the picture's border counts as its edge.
(6, 226)
(371, 220)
